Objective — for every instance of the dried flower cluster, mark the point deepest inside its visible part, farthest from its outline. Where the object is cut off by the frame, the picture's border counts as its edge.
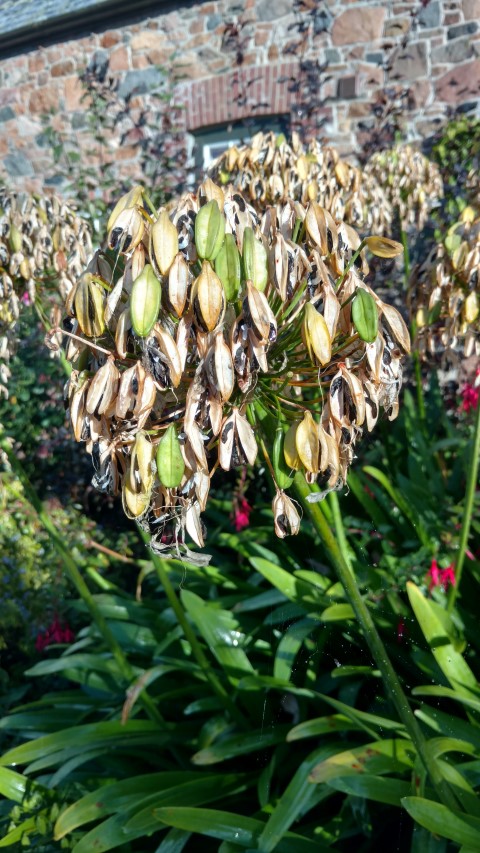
(444, 291)
(271, 171)
(411, 182)
(208, 332)
(42, 242)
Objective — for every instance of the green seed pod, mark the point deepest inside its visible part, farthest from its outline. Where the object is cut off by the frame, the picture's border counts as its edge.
(365, 315)
(145, 301)
(170, 464)
(209, 231)
(228, 267)
(15, 238)
(88, 303)
(255, 260)
(280, 467)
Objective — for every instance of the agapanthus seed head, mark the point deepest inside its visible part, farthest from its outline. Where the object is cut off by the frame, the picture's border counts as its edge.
(232, 334)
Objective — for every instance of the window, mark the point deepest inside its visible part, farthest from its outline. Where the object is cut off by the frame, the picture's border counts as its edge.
(211, 142)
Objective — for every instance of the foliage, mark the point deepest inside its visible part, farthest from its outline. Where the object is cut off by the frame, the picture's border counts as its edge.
(456, 150)
(275, 635)
(154, 131)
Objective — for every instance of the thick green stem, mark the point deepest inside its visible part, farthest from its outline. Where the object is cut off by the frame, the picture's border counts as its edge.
(77, 580)
(472, 479)
(339, 528)
(197, 651)
(375, 644)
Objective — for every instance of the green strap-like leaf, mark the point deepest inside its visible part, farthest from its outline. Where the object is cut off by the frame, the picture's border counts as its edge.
(451, 662)
(437, 818)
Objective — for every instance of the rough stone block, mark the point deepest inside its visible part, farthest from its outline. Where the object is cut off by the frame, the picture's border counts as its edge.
(363, 24)
(410, 62)
(430, 15)
(6, 113)
(268, 11)
(213, 21)
(62, 68)
(332, 55)
(462, 30)
(396, 27)
(454, 51)
(460, 85)
(17, 165)
(140, 82)
(471, 10)
(374, 58)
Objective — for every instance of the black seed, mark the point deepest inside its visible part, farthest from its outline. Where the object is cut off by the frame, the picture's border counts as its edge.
(227, 428)
(335, 386)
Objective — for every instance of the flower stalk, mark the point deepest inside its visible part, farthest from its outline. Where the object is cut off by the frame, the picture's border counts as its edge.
(472, 480)
(189, 633)
(340, 563)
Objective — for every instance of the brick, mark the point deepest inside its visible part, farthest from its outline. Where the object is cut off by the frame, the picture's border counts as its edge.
(62, 68)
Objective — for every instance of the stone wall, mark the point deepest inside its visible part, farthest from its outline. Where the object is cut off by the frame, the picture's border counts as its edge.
(362, 43)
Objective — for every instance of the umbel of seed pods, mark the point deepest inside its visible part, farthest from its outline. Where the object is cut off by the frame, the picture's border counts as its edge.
(206, 332)
(411, 182)
(44, 245)
(270, 170)
(444, 291)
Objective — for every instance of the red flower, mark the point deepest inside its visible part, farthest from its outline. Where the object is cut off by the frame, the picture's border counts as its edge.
(441, 577)
(470, 396)
(242, 515)
(54, 634)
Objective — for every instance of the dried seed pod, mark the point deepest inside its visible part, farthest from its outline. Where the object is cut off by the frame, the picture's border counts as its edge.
(237, 443)
(209, 231)
(383, 247)
(290, 451)
(222, 367)
(127, 231)
(103, 388)
(397, 326)
(316, 336)
(307, 443)
(285, 516)
(208, 299)
(130, 200)
(260, 315)
(170, 351)
(88, 301)
(178, 283)
(163, 243)
(145, 302)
